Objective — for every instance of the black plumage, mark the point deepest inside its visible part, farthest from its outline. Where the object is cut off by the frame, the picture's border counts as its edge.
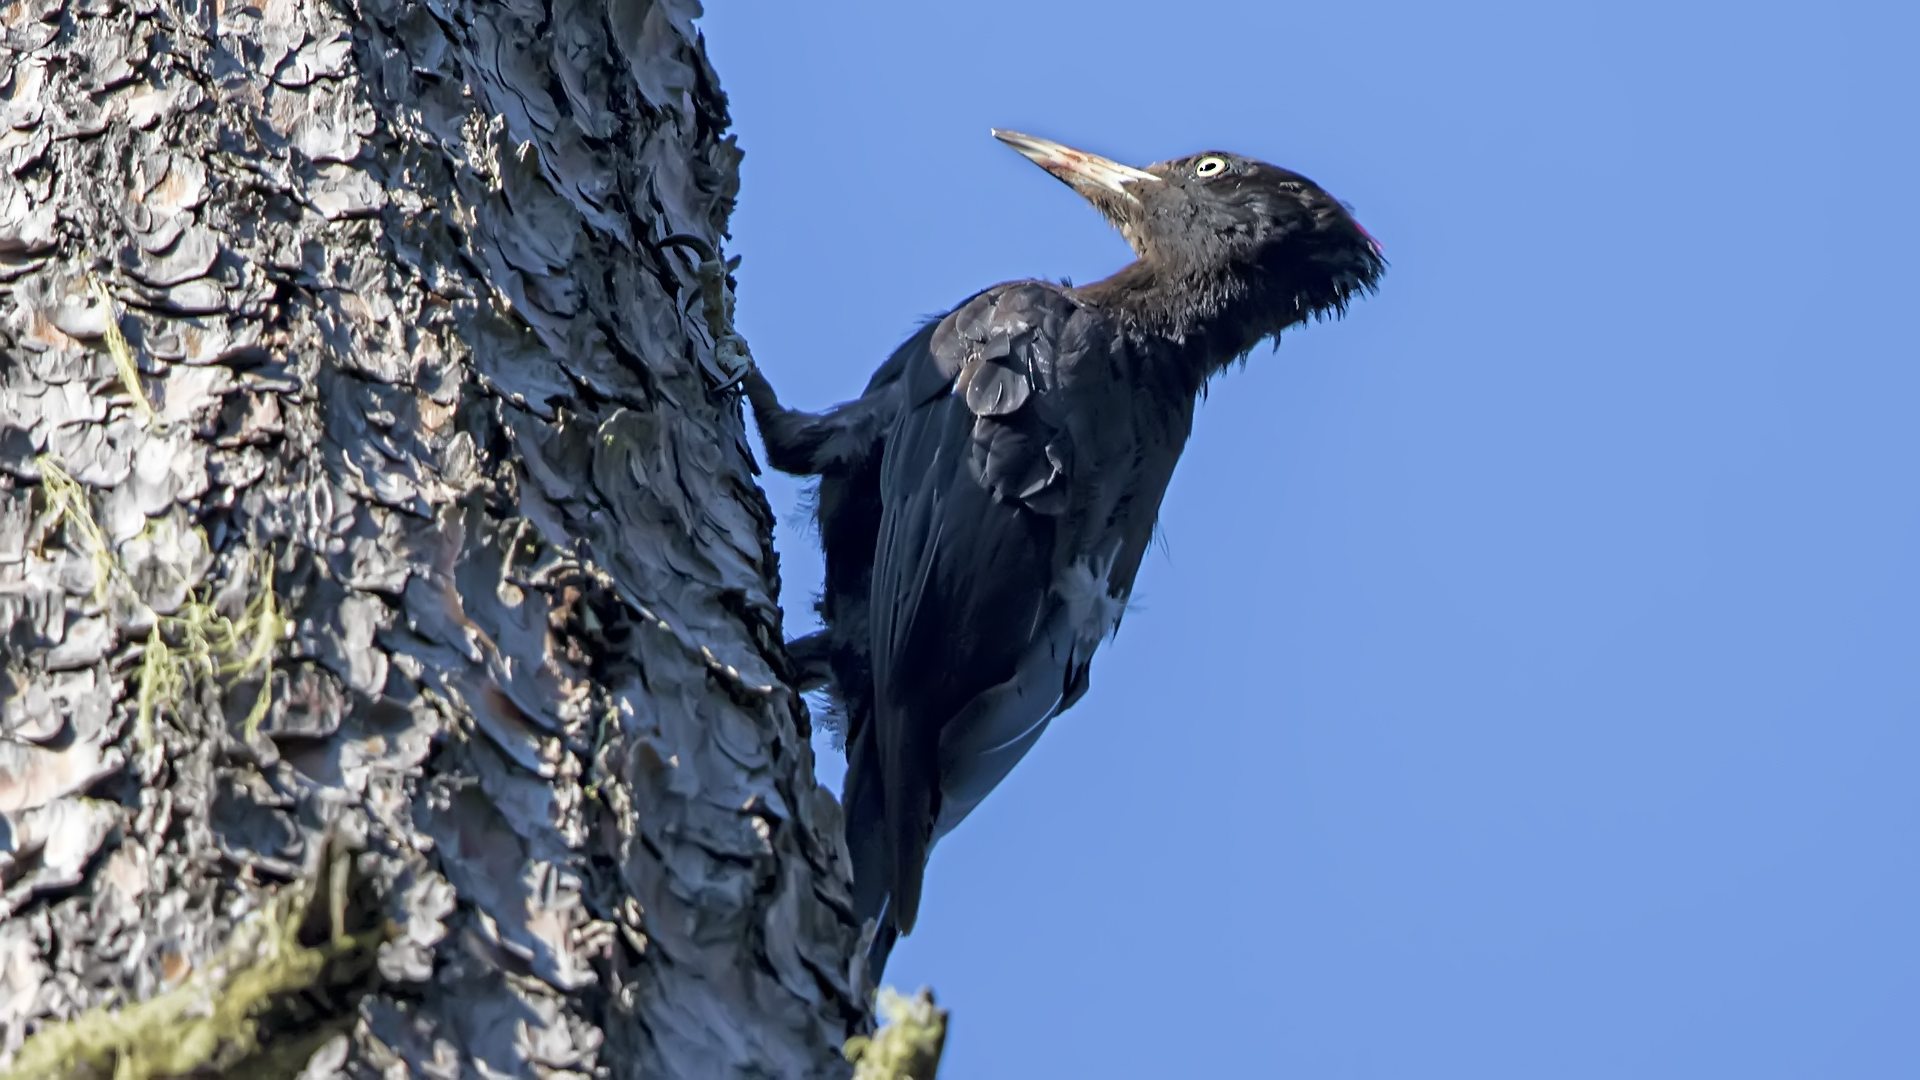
(985, 504)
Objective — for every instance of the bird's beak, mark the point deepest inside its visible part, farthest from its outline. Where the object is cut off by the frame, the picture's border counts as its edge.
(1088, 174)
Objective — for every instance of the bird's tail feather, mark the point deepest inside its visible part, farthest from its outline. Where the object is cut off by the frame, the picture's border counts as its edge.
(885, 935)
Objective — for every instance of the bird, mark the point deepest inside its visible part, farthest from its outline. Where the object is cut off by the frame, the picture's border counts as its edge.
(985, 504)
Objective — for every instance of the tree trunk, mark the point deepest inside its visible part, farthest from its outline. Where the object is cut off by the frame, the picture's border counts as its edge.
(392, 670)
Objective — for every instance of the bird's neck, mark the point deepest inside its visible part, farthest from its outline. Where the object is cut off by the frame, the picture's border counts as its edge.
(1200, 319)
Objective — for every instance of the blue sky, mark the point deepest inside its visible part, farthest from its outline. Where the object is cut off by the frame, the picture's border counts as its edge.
(1531, 687)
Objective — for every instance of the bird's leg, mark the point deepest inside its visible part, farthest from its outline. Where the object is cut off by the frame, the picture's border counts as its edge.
(800, 443)
(810, 660)
(797, 442)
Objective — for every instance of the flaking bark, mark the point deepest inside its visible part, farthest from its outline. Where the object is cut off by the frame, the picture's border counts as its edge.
(423, 526)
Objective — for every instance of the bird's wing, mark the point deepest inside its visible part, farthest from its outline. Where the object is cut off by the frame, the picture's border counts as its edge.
(977, 470)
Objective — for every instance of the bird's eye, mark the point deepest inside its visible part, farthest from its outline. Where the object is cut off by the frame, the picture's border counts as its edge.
(1210, 166)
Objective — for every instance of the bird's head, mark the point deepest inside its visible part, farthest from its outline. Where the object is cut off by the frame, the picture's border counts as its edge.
(1217, 214)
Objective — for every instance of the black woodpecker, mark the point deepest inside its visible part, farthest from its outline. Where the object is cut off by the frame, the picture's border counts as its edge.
(985, 504)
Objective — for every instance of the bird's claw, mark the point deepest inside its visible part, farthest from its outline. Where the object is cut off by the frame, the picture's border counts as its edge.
(703, 250)
(730, 353)
(739, 376)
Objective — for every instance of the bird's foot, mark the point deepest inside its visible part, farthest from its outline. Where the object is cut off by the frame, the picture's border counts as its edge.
(811, 655)
(730, 354)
